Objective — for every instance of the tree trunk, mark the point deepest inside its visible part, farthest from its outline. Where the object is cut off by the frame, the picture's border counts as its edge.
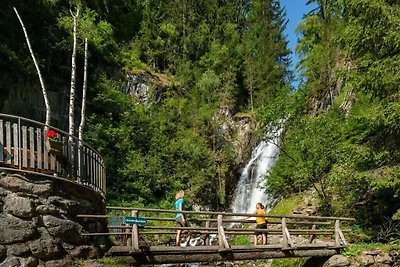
(44, 92)
(73, 72)
(84, 89)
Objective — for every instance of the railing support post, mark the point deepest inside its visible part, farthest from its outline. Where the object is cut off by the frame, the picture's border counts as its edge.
(222, 241)
(287, 241)
(312, 236)
(135, 233)
(337, 237)
(207, 238)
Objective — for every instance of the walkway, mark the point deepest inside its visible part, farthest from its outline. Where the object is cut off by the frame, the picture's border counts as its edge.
(149, 238)
(25, 147)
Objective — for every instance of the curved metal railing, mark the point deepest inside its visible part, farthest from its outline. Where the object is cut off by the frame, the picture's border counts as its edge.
(25, 146)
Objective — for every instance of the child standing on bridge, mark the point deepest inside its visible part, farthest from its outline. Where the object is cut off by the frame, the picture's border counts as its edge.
(180, 217)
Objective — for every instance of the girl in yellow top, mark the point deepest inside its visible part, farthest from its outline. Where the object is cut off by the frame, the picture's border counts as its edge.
(261, 223)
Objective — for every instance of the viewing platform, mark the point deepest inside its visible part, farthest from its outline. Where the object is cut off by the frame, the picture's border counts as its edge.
(27, 147)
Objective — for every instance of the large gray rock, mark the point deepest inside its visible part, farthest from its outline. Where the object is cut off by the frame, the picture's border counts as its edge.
(336, 261)
(18, 206)
(85, 252)
(19, 249)
(64, 229)
(19, 262)
(13, 229)
(3, 252)
(17, 183)
(366, 260)
(49, 210)
(46, 247)
(384, 258)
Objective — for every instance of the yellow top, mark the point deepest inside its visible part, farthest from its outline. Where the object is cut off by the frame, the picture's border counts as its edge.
(260, 220)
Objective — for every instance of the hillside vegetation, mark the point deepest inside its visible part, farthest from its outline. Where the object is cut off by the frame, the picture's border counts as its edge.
(213, 61)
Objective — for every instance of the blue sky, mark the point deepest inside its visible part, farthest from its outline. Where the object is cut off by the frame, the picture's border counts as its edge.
(295, 10)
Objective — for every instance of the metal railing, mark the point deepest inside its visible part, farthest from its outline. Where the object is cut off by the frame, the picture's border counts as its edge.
(25, 147)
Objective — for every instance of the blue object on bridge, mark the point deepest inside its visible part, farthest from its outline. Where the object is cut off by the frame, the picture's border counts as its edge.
(135, 220)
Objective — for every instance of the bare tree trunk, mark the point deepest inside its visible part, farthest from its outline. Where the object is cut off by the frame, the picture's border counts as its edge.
(44, 92)
(84, 89)
(73, 72)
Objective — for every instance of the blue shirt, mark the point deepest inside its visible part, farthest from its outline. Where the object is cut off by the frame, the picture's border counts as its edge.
(178, 202)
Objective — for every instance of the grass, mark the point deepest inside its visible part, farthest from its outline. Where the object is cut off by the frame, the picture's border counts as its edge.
(290, 262)
(286, 205)
(356, 249)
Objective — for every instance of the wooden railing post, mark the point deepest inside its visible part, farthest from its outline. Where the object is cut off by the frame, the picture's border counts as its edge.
(222, 241)
(337, 236)
(135, 233)
(287, 242)
(312, 236)
(219, 224)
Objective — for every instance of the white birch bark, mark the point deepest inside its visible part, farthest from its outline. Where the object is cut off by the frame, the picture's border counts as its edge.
(84, 89)
(44, 92)
(73, 73)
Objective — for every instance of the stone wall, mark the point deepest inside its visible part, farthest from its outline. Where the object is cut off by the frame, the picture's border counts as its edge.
(38, 223)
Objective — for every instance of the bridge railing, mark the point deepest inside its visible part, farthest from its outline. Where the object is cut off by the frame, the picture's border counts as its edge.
(26, 146)
(223, 226)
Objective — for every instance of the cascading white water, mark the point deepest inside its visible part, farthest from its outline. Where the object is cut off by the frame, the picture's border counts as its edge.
(251, 185)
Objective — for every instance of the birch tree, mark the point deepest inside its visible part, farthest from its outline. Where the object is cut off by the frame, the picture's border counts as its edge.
(44, 92)
(73, 74)
(84, 89)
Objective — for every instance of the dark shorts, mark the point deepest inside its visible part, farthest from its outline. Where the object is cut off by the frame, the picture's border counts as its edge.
(260, 226)
(180, 223)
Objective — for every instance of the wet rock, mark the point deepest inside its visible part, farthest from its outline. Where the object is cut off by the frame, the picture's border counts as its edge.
(3, 253)
(18, 206)
(13, 229)
(66, 262)
(11, 262)
(372, 252)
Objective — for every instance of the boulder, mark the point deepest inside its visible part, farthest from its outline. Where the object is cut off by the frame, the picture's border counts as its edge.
(18, 206)
(336, 261)
(17, 183)
(366, 260)
(384, 258)
(86, 252)
(19, 249)
(45, 247)
(13, 229)
(64, 229)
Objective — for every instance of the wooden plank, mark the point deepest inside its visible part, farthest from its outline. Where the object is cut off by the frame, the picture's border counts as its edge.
(16, 144)
(24, 147)
(39, 148)
(32, 147)
(341, 235)
(1, 141)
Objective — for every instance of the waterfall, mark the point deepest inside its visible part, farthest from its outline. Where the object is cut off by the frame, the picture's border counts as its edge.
(252, 182)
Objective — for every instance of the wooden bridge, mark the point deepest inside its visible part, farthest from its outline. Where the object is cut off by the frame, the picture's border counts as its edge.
(26, 148)
(217, 236)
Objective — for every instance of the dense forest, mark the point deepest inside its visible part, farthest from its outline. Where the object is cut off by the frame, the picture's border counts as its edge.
(211, 61)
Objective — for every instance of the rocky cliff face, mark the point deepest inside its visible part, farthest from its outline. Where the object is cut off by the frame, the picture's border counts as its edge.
(39, 224)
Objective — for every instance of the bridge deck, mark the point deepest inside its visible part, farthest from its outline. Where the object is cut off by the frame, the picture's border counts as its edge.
(170, 254)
